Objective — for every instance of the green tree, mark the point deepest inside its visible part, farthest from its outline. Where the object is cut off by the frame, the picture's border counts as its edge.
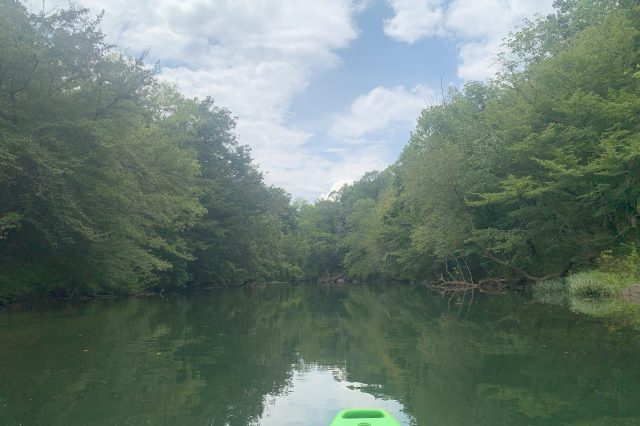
(112, 181)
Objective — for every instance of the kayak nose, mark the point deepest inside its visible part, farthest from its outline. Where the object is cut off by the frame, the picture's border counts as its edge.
(363, 414)
(364, 417)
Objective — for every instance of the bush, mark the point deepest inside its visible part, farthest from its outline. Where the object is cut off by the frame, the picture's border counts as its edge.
(624, 261)
(551, 291)
(552, 286)
(594, 284)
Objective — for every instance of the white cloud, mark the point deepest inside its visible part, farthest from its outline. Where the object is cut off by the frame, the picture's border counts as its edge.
(376, 155)
(382, 108)
(251, 56)
(255, 56)
(478, 26)
(477, 60)
(366, 133)
(414, 19)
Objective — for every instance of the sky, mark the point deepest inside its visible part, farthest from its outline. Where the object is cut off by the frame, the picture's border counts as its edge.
(324, 90)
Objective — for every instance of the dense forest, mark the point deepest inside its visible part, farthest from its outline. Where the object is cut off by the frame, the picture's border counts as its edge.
(531, 176)
(114, 182)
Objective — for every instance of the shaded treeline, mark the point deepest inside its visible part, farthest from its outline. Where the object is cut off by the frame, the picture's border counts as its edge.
(531, 175)
(114, 182)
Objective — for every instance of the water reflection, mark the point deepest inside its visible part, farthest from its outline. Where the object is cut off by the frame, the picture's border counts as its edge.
(296, 355)
(314, 394)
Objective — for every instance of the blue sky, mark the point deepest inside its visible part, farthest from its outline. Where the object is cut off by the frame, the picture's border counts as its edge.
(374, 59)
(324, 90)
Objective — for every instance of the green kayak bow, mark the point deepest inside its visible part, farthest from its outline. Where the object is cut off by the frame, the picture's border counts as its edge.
(364, 417)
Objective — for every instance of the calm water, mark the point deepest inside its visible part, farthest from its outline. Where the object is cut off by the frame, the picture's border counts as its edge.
(296, 355)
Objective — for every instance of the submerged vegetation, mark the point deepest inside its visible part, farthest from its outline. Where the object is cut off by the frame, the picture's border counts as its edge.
(113, 182)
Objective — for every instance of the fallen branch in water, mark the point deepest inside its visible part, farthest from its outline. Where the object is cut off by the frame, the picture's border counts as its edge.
(489, 285)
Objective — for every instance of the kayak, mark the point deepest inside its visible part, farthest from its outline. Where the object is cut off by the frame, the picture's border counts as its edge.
(364, 417)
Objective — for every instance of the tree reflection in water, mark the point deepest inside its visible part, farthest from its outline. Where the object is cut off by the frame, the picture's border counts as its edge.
(293, 353)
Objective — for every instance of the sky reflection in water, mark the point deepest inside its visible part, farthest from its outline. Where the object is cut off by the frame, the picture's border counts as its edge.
(298, 354)
(314, 394)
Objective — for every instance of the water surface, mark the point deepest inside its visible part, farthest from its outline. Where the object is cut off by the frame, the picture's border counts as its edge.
(295, 355)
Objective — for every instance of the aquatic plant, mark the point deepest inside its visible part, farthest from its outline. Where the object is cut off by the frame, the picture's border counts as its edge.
(594, 284)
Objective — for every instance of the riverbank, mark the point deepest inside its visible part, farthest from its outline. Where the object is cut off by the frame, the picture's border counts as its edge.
(594, 293)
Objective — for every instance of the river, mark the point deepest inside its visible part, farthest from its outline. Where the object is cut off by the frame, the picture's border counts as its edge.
(295, 355)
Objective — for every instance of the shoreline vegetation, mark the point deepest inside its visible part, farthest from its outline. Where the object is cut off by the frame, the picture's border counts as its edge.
(114, 183)
(613, 289)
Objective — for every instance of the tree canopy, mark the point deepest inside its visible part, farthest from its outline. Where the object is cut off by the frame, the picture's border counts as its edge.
(114, 182)
(527, 176)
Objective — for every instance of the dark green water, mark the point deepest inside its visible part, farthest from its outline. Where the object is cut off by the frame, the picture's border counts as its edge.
(296, 355)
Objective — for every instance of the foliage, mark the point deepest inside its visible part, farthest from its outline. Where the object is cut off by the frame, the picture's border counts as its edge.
(551, 292)
(626, 264)
(319, 230)
(593, 284)
(558, 285)
(113, 182)
(529, 176)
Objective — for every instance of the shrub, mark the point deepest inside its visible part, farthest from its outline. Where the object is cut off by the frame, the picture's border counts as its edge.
(552, 286)
(624, 261)
(551, 291)
(594, 284)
